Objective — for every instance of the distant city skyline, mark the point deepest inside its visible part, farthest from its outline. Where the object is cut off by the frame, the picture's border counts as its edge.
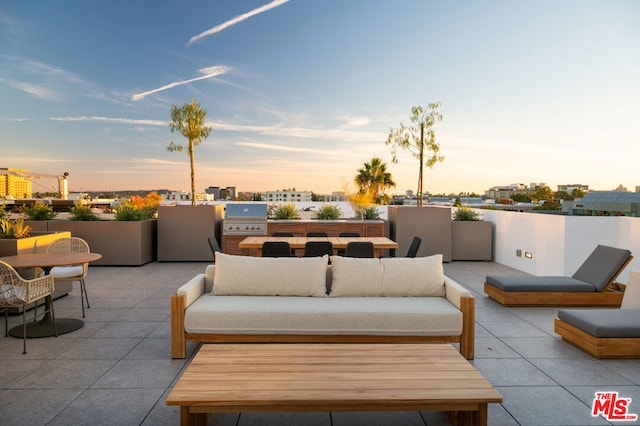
(302, 93)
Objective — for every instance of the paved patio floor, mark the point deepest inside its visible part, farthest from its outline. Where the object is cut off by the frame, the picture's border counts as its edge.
(117, 369)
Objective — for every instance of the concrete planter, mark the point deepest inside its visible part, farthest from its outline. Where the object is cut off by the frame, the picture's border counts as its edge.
(121, 243)
(36, 243)
(432, 224)
(471, 240)
(183, 232)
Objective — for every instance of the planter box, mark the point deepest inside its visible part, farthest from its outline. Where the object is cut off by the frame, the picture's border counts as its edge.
(471, 240)
(121, 243)
(432, 224)
(37, 243)
(183, 232)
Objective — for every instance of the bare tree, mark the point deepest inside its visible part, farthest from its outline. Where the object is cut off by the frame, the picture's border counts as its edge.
(414, 139)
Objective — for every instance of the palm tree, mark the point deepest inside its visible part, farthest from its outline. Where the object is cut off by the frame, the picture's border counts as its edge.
(189, 120)
(374, 179)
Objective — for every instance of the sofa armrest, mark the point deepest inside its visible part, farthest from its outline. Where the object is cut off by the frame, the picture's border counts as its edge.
(454, 292)
(192, 289)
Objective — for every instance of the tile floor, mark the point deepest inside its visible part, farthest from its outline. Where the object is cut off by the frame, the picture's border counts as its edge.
(117, 369)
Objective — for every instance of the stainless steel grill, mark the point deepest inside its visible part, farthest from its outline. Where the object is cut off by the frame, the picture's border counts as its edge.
(245, 219)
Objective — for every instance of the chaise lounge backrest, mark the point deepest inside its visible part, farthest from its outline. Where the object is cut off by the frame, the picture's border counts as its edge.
(602, 266)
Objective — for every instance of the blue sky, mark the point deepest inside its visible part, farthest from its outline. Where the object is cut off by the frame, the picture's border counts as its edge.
(301, 93)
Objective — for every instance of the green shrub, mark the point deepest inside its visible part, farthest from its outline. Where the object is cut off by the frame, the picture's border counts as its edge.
(83, 213)
(328, 212)
(286, 211)
(368, 212)
(130, 213)
(465, 213)
(39, 211)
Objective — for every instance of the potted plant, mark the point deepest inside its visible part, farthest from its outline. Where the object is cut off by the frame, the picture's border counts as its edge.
(37, 215)
(284, 212)
(328, 212)
(471, 237)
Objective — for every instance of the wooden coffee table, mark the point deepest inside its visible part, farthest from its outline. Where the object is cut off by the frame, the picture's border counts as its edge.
(331, 377)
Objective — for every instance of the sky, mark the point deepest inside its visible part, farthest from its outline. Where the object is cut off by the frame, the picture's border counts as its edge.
(302, 93)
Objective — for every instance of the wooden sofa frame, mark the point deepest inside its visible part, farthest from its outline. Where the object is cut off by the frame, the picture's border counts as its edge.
(611, 296)
(599, 347)
(179, 337)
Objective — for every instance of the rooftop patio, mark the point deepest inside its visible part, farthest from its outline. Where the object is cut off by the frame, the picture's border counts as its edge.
(117, 369)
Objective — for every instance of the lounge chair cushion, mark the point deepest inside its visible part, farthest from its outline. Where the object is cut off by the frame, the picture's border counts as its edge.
(601, 265)
(614, 323)
(539, 284)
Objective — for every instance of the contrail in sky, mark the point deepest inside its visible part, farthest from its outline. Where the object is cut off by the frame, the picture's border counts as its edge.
(208, 73)
(236, 20)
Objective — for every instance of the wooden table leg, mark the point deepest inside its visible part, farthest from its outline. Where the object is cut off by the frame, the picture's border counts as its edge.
(192, 419)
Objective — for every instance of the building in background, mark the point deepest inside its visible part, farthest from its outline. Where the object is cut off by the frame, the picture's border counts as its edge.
(15, 183)
(214, 193)
(608, 203)
(288, 196)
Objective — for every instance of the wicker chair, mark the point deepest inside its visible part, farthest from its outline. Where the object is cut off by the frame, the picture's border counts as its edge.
(75, 272)
(15, 291)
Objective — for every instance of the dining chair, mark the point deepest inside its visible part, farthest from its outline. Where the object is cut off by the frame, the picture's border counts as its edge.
(276, 249)
(282, 234)
(413, 248)
(341, 252)
(15, 291)
(316, 234)
(317, 248)
(73, 272)
(359, 249)
(215, 247)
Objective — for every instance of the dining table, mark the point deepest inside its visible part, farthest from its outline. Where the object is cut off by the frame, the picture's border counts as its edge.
(46, 261)
(340, 243)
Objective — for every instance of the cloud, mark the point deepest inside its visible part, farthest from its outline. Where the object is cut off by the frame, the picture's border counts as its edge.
(112, 120)
(34, 90)
(208, 72)
(286, 148)
(236, 20)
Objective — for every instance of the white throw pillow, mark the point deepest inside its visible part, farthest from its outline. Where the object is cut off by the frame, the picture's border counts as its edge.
(394, 277)
(270, 276)
(413, 277)
(631, 298)
(352, 276)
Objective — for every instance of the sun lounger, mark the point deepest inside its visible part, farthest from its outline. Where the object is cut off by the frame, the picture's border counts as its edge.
(593, 284)
(605, 333)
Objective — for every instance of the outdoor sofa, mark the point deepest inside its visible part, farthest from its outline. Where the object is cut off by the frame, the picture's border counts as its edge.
(291, 299)
(593, 284)
(605, 333)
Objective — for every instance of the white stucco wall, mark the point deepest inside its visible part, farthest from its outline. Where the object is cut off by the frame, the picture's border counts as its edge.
(559, 244)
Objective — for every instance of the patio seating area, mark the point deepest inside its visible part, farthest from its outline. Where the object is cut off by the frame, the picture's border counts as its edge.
(117, 369)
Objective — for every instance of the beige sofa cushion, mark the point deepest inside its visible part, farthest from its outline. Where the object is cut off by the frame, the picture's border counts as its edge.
(391, 277)
(393, 316)
(270, 276)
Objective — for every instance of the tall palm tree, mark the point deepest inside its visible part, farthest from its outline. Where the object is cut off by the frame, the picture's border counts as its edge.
(373, 179)
(189, 121)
